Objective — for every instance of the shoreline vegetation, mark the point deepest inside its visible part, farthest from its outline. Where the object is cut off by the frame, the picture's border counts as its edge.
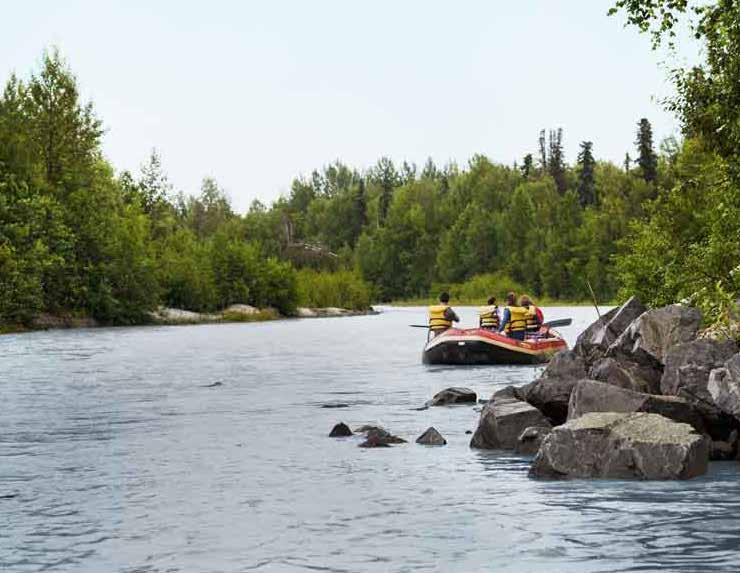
(80, 239)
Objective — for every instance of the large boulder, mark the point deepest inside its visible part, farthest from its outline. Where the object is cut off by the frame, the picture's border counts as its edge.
(687, 367)
(724, 386)
(649, 338)
(596, 339)
(622, 446)
(454, 395)
(503, 419)
(551, 391)
(594, 396)
(627, 374)
(340, 430)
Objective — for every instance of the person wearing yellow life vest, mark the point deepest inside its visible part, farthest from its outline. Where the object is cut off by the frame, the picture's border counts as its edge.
(514, 321)
(488, 317)
(441, 316)
(534, 314)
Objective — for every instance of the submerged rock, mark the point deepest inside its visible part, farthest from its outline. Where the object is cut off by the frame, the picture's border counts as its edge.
(622, 446)
(593, 342)
(341, 430)
(503, 420)
(378, 437)
(531, 438)
(649, 338)
(431, 437)
(454, 395)
(594, 396)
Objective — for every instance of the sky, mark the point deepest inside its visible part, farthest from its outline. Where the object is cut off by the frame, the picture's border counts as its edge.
(257, 93)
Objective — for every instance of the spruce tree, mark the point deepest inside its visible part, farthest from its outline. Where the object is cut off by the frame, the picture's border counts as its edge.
(543, 151)
(527, 166)
(586, 185)
(556, 161)
(647, 159)
(386, 176)
(627, 163)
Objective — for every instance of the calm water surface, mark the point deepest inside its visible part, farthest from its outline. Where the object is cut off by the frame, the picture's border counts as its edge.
(115, 456)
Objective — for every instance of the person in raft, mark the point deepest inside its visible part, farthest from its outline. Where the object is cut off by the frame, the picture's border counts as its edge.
(514, 321)
(488, 316)
(535, 317)
(441, 316)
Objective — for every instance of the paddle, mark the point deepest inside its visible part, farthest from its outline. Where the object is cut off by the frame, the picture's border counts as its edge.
(418, 326)
(559, 322)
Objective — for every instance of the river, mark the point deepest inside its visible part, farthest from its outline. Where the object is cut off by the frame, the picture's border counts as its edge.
(117, 454)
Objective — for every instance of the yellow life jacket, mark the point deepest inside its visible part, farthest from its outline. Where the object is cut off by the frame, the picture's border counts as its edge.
(488, 317)
(517, 319)
(533, 324)
(437, 319)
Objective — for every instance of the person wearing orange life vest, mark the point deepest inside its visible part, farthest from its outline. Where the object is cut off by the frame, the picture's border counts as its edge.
(535, 317)
(488, 316)
(514, 320)
(441, 316)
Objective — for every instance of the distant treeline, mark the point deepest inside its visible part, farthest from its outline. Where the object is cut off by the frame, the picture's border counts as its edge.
(75, 237)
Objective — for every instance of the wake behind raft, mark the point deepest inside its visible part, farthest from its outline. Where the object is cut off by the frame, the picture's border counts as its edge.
(472, 346)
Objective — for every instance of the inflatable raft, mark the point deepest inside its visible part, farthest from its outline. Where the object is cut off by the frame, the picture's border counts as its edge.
(481, 346)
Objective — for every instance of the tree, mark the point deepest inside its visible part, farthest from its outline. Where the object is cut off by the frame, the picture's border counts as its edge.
(543, 151)
(527, 166)
(386, 176)
(556, 159)
(586, 186)
(627, 163)
(646, 158)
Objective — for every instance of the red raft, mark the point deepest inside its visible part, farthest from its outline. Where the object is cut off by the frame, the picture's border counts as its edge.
(481, 346)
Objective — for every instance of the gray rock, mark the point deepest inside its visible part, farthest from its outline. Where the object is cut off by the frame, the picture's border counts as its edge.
(431, 437)
(504, 419)
(341, 430)
(594, 396)
(596, 339)
(627, 374)
(687, 367)
(377, 436)
(648, 339)
(454, 395)
(724, 386)
(528, 442)
(622, 446)
(551, 391)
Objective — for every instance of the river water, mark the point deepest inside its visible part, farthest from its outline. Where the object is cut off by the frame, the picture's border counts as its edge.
(116, 454)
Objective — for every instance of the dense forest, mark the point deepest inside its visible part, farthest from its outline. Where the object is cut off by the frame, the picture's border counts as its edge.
(76, 237)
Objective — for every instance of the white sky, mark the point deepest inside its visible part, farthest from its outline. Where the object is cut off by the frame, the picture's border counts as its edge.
(255, 93)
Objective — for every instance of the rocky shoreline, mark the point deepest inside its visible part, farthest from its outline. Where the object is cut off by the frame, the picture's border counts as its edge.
(644, 394)
(165, 316)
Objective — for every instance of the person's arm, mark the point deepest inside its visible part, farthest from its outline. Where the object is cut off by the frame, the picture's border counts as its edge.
(451, 315)
(505, 320)
(540, 315)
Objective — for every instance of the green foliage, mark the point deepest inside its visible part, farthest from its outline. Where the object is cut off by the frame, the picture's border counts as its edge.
(477, 289)
(344, 289)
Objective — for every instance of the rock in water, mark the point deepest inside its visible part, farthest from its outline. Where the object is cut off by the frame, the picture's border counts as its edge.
(627, 375)
(622, 446)
(503, 420)
(593, 396)
(649, 338)
(593, 342)
(341, 430)
(453, 395)
(724, 386)
(551, 391)
(380, 438)
(530, 439)
(431, 437)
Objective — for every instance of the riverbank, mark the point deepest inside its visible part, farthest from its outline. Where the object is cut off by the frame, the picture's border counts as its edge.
(165, 316)
(544, 301)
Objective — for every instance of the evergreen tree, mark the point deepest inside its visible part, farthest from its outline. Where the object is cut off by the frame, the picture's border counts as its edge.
(556, 160)
(386, 176)
(360, 208)
(627, 162)
(543, 151)
(586, 185)
(527, 166)
(647, 159)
